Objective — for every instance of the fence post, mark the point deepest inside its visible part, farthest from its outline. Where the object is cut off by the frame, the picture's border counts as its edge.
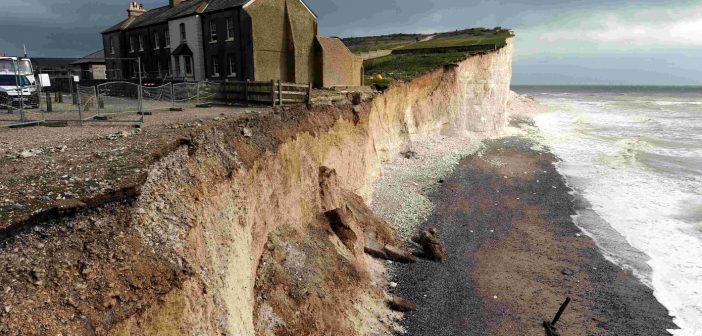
(309, 94)
(172, 95)
(49, 106)
(80, 112)
(272, 92)
(98, 101)
(246, 92)
(225, 92)
(280, 93)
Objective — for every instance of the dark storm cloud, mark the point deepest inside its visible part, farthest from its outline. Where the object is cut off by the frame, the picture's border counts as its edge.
(590, 31)
(72, 27)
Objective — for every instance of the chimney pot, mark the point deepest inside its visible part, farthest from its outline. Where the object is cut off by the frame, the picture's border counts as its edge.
(135, 9)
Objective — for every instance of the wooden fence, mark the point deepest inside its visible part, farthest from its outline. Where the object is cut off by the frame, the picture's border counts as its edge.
(269, 93)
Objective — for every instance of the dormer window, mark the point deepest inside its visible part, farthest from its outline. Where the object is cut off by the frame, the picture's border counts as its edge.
(213, 31)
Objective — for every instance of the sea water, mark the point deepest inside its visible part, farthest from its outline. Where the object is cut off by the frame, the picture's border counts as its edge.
(633, 155)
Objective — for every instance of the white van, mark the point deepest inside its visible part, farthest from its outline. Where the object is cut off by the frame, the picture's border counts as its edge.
(17, 83)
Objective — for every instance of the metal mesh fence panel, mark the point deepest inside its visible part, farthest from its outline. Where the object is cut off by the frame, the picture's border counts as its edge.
(118, 98)
(185, 94)
(9, 115)
(157, 98)
(88, 102)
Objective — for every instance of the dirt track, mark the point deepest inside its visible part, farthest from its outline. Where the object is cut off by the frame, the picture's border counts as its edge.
(515, 255)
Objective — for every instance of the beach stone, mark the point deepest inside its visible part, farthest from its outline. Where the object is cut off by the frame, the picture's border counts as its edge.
(434, 248)
(568, 272)
(409, 154)
(399, 304)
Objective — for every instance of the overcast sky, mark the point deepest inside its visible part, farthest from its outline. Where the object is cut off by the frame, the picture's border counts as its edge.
(558, 41)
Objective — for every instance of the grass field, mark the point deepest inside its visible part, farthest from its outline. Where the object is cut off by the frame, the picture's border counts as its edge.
(370, 43)
(406, 66)
(466, 37)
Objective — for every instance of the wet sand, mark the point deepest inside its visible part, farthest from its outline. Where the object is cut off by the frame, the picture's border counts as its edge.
(515, 255)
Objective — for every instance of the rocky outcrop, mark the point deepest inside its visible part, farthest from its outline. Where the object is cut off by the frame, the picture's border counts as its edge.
(189, 246)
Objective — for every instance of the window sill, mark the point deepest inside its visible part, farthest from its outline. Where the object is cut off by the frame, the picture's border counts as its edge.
(213, 42)
(230, 39)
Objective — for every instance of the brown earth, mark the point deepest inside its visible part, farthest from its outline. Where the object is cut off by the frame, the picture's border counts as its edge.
(92, 164)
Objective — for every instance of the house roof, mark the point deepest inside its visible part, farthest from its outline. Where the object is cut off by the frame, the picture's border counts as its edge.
(160, 15)
(216, 5)
(96, 57)
(182, 49)
(186, 8)
(52, 63)
(247, 3)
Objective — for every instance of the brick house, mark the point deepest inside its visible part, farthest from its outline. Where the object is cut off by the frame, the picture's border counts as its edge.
(258, 40)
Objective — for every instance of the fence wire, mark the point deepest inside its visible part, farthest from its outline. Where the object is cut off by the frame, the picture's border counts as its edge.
(157, 98)
(118, 98)
(185, 94)
(88, 102)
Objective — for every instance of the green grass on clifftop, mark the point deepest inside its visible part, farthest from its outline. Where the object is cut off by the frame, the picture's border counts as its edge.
(466, 37)
(371, 43)
(406, 66)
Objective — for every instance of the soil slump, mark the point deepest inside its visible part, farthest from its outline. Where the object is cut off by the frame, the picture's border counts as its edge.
(514, 256)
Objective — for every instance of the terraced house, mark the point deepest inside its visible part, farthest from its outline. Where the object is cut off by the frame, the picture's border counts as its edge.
(257, 40)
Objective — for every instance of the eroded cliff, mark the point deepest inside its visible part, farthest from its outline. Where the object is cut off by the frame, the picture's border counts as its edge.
(228, 235)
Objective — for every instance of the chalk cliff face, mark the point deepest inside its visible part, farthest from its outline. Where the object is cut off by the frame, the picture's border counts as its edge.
(201, 232)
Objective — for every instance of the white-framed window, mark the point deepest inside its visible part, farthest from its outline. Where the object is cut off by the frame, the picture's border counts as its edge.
(213, 31)
(215, 66)
(183, 34)
(141, 42)
(157, 45)
(167, 37)
(112, 45)
(188, 65)
(231, 65)
(230, 29)
(132, 43)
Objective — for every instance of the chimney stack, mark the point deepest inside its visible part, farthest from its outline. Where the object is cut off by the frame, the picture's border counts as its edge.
(176, 2)
(135, 9)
